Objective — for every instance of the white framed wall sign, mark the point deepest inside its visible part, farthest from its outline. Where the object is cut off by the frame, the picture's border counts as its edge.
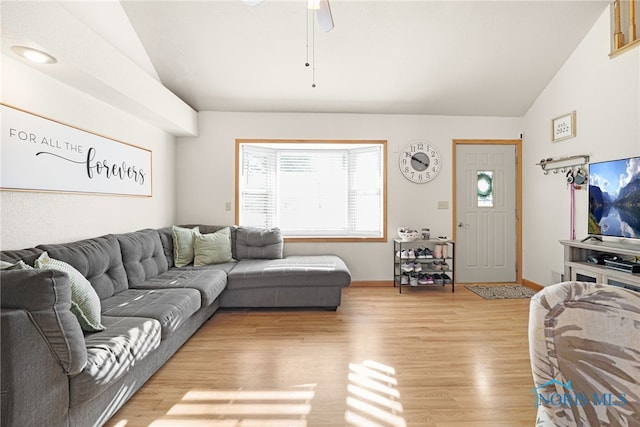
(41, 154)
(563, 127)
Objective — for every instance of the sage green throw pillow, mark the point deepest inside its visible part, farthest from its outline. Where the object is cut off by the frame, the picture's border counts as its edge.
(212, 248)
(183, 245)
(85, 303)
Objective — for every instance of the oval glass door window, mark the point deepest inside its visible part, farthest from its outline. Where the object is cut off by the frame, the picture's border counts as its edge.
(485, 189)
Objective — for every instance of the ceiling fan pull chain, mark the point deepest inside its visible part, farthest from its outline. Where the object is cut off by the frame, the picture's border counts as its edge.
(306, 64)
(313, 53)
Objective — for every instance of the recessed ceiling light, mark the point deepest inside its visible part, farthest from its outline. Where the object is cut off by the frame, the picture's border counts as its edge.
(34, 55)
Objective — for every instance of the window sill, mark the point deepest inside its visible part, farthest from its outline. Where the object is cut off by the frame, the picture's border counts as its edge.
(334, 239)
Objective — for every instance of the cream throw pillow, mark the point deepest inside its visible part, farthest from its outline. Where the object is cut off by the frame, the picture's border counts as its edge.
(85, 303)
(183, 245)
(212, 248)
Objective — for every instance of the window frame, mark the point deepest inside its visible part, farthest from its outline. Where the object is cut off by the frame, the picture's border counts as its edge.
(383, 143)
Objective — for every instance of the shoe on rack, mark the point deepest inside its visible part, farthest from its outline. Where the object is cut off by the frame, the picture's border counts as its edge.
(417, 267)
(446, 278)
(436, 265)
(411, 254)
(425, 253)
(437, 251)
(445, 249)
(429, 279)
(444, 266)
(407, 267)
(413, 281)
(438, 279)
(404, 279)
(422, 279)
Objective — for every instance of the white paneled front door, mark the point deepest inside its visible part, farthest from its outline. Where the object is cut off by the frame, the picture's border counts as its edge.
(485, 213)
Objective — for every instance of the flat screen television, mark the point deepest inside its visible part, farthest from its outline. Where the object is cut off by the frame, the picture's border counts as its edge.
(614, 198)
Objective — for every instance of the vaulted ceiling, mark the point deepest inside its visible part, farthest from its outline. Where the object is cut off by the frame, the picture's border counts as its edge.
(481, 58)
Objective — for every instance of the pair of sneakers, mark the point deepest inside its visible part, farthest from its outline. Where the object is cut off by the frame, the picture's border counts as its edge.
(445, 279)
(424, 253)
(440, 265)
(409, 280)
(406, 254)
(409, 267)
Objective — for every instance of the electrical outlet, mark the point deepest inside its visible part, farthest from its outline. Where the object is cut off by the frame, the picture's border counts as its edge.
(443, 204)
(227, 206)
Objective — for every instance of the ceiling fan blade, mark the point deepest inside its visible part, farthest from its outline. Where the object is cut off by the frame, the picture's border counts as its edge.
(325, 19)
(252, 3)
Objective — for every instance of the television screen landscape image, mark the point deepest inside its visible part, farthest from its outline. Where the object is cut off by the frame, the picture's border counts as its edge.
(614, 198)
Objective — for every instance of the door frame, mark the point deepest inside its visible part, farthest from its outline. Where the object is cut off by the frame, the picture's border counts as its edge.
(518, 146)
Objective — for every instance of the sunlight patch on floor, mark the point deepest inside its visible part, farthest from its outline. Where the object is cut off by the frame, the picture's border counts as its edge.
(287, 407)
(373, 399)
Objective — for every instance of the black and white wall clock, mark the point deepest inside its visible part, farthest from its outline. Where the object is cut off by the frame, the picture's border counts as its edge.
(420, 162)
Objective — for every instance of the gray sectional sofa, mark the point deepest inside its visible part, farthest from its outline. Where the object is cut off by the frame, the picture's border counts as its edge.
(54, 373)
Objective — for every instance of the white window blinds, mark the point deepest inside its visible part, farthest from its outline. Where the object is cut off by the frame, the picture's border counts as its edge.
(313, 190)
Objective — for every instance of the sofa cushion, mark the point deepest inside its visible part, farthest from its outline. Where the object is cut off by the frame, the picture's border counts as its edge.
(111, 353)
(212, 248)
(209, 281)
(171, 307)
(98, 259)
(183, 245)
(142, 255)
(28, 255)
(46, 295)
(259, 243)
(315, 270)
(85, 303)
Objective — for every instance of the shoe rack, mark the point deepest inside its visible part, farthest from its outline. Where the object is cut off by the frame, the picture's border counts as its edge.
(423, 263)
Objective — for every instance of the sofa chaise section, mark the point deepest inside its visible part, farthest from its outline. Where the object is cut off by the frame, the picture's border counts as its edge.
(294, 281)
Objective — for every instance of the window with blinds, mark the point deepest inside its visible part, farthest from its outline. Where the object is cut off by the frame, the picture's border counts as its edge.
(312, 189)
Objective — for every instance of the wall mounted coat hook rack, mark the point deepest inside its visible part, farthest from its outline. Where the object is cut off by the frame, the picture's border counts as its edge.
(563, 164)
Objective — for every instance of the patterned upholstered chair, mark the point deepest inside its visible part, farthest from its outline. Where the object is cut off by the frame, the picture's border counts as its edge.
(584, 344)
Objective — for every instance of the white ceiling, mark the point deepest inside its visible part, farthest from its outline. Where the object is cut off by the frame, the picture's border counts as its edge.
(484, 58)
(413, 57)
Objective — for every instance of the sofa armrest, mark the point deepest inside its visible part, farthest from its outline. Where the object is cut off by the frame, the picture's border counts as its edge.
(34, 387)
(45, 298)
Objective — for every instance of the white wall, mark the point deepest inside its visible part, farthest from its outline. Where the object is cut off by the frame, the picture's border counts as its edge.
(605, 93)
(30, 218)
(206, 170)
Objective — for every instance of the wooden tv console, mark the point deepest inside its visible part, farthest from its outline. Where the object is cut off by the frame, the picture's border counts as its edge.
(577, 267)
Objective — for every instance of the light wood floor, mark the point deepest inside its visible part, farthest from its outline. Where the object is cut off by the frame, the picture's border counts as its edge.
(427, 357)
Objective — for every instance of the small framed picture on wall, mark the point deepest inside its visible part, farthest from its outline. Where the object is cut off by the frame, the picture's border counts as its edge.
(563, 127)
